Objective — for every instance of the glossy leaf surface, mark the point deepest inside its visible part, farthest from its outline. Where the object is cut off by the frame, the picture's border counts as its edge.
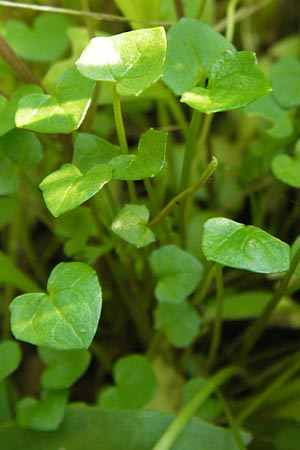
(178, 273)
(61, 112)
(133, 60)
(244, 247)
(135, 384)
(67, 187)
(233, 81)
(67, 316)
(130, 224)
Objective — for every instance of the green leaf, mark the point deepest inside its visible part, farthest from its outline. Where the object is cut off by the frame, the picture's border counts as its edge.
(136, 384)
(46, 41)
(267, 108)
(9, 107)
(285, 76)
(67, 187)
(46, 414)
(148, 162)
(179, 321)
(10, 274)
(211, 408)
(244, 247)
(130, 224)
(233, 81)
(294, 249)
(240, 305)
(91, 150)
(67, 317)
(133, 60)
(146, 10)
(85, 426)
(179, 273)
(287, 169)
(21, 147)
(9, 176)
(61, 113)
(192, 48)
(9, 207)
(63, 368)
(10, 357)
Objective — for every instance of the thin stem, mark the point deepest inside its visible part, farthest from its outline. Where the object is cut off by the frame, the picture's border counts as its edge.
(205, 285)
(201, 9)
(101, 356)
(263, 396)
(230, 19)
(85, 6)
(185, 194)
(19, 67)
(187, 412)
(255, 330)
(190, 149)
(179, 8)
(231, 421)
(217, 328)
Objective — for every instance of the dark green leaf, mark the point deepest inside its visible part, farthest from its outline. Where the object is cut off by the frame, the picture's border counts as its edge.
(133, 60)
(130, 224)
(67, 187)
(10, 357)
(21, 147)
(136, 384)
(63, 368)
(67, 317)
(244, 247)
(178, 272)
(192, 48)
(45, 414)
(233, 81)
(180, 322)
(61, 113)
(10, 274)
(9, 207)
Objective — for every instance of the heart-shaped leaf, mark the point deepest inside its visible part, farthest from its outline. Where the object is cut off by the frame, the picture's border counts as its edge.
(244, 247)
(8, 107)
(10, 357)
(63, 367)
(233, 81)
(67, 188)
(45, 42)
(179, 273)
(267, 108)
(136, 384)
(192, 48)
(133, 60)
(62, 112)
(287, 169)
(91, 150)
(285, 76)
(179, 321)
(44, 415)
(148, 162)
(67, 317)
(130, 224)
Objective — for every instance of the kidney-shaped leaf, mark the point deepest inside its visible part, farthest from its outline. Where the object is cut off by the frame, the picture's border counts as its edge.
(62, 112)
(130, 224)
(287, 169)
(233, 81)
(67, 317)
(148, 162)
(244, 247)
(192, 48)
(133, 60)
(45, 414)
(63, 367)
(179, 321)
(136, 384)
(10, 357)
(179, 273)
(67, 187)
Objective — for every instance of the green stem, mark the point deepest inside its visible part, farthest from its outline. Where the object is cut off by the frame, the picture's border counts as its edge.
(101, 356)
(217, 328)
(85, 6)
(201, 9)
(205, 285)
(179, 8)
(255, 330)
(190, 149)
(185, 194)
(122, 138)
(231, 421)
(230, 19)
(177, 426)
(263, 396)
